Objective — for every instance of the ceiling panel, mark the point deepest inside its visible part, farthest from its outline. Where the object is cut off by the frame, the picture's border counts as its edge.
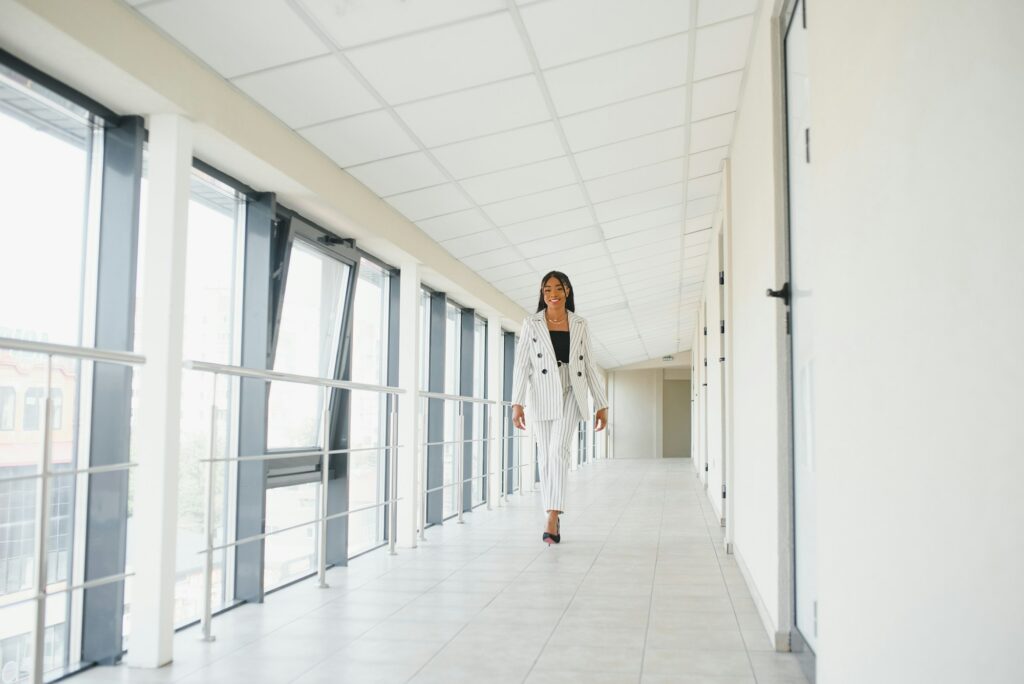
(703, 186)
(501, 151)
(361, 138)
(722, 48)
(309, 92)
(398, 174)
(555, 243)
(443, 60)
(508, 270)
(494, 257)
(644, 237)
(622, 75)
(711, 133)
(523, 180)
(476, 112)
(707, 162)
(642, 221)
(631, 154)
(638, 203)
(629, 119)
(476, 243)
(455, 225)
(548, 225)
(554, 260)
(430, 202)
(634, 181)
(711, 11)
(354, 23)
(234, 36)
(715, 96)
(568, 30)
(535, 206)
(705, 205)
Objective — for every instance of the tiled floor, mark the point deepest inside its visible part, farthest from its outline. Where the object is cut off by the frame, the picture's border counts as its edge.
(639, 590)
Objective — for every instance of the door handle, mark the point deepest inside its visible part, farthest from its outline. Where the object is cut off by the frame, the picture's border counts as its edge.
(782, 293)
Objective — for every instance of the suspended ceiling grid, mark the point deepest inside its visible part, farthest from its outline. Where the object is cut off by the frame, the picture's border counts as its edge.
(580, 135)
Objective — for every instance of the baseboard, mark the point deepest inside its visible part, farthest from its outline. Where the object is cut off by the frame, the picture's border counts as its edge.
(779, 638)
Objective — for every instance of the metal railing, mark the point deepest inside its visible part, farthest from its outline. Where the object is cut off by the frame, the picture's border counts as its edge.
(40, 590)
(325, 452)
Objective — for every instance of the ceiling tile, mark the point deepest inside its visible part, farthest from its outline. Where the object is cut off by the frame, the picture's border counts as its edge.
(639, 203)
(443, 60)
(308, 92)
(643, 115)
(711, 133)
(535, 206)
(523, 180)
(548, 225)
(476, 112)
(589, 270)
(698, 223)
(630, 73)
(567, 30)
(631, 154)
(707, 162)
(559, 242)
(398, 174)
(710, 11)
(353, 23)
(430, 202)
(455, 225)
(656, 252)
(722, 48)
(361, 138)
(716, 96)
(644, 237)
(637, 180)
(237, 36)
(512, 268)
(517, 282)
(553, 262)
(642, 221)
(476, 243)
(704, 186)
(501, 151)
(495, 257)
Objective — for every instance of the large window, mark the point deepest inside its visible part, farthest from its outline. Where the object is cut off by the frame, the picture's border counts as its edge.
(480, 411)
(369, 420)
(212, 272)
(48, 174)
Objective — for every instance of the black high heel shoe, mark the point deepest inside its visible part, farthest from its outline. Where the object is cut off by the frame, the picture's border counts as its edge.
(555, 538)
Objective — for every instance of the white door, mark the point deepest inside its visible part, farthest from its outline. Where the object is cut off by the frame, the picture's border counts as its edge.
(801, 283)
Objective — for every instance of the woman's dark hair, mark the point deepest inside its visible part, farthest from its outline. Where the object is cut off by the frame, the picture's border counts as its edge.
(570, 300)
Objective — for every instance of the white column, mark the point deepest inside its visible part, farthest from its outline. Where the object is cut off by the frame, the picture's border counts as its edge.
(408, 405)
(495, 388)
(163, 312)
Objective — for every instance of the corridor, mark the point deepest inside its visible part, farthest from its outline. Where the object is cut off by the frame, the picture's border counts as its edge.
(638, 591)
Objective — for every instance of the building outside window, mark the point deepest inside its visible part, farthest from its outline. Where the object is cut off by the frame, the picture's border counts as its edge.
(480, 411)
(452, 368)
(8, 398)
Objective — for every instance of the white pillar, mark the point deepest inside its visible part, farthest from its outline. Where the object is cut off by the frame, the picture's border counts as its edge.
(158, 428)
(408, 405)
(495, 389)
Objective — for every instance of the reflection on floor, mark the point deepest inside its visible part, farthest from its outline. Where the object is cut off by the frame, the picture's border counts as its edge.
(639, 590)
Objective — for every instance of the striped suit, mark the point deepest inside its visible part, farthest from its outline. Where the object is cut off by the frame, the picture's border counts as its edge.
(557, 396)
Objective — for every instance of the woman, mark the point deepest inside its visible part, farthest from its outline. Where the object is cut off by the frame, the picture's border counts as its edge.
(555, 359)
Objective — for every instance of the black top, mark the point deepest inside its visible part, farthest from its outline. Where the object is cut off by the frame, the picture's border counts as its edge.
(560, 341)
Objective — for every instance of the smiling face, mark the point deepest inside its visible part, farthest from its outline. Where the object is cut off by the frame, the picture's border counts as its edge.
(555, 294)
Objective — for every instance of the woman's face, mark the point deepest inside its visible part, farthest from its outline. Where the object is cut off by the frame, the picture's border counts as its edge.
(554, 293)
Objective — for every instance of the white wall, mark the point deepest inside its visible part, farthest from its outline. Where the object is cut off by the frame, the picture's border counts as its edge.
(636, 408)
(916, 172)
(676, 418)
(916, 152)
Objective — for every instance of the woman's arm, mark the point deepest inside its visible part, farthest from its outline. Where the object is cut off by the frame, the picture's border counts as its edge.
(593, 379)
(523, 368)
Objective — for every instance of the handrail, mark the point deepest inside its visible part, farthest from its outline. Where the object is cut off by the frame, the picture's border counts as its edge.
(456, 397)
(280, 376)
(73, 351)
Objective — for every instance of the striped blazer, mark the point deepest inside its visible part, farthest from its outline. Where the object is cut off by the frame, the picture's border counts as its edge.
(537, 367)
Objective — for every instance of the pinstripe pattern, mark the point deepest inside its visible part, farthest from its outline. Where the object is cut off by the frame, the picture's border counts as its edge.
(554, 438)
(536, 383)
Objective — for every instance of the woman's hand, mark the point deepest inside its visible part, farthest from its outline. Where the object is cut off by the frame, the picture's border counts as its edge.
(518, 416)
(601, 420)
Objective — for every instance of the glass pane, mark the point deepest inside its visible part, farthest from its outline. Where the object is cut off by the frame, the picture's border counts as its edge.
(292, 554)
(307, 344)
(369, 409)
(46, 170)
(214, 233)
(479, 411)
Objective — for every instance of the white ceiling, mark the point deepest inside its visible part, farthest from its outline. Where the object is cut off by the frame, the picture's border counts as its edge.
(524, 136)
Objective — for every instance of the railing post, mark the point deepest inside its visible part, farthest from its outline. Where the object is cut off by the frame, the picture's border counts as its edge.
(393, 475)
(423, 473)
(325, 474)
(485, 476)
(461, 432)
(207, 617)
(42, 533)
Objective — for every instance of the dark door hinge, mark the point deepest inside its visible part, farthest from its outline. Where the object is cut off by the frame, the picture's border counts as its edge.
(705, 330)
(721, 359)
(721, 277)
(721, 326)
(788, 331)
(723, 491)
(705, 467)
(807, 145)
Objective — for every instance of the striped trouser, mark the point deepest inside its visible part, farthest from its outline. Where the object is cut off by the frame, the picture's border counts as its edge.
(554, 437)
